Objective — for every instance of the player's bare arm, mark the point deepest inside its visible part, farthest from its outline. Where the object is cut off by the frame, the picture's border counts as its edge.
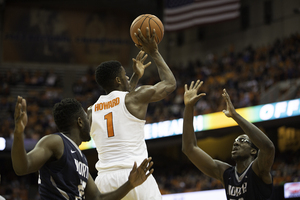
(203, 161)
(168, 83)
(262, 165)
(137, 176)
(45, 149)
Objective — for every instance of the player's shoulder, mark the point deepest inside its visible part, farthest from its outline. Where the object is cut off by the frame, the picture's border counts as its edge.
(52, 144)
(145, 89)
(223, 166)
(53, 136)
(89, 109)
(51, 140)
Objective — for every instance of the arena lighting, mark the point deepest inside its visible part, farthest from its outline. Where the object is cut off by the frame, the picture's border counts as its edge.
(2, 143)
(218, 194)
(291, 190)
(218, 120)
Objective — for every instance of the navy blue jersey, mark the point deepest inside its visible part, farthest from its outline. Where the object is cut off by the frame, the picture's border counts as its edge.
(65, 178)
(247, 186)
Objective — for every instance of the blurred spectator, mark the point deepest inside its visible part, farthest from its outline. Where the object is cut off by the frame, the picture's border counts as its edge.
(245, 74)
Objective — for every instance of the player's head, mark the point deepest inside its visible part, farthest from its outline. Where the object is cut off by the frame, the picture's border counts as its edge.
(110, 75)
(243, 148)
(69, 114)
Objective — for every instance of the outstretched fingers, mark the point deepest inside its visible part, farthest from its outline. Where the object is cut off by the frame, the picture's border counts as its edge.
(140, 36)
(140, 55)
(134, 167)
(20, 107)
(17, 107)
(141, 39)
(230, 108)
(144, 58)
(150, 164)
(192, 85)
(146, 65)
(145, 163)
(140, 47)
(224, 93)
(153, 34)
(146, 166)
(134, 61)
(185, 87)
(148, 33)
(226, 97)
(149, 167)
(198, 84)
(24, 105)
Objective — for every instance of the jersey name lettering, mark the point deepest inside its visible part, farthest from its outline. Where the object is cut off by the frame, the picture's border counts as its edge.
(82, 169)
(107, 105)
(237, 191)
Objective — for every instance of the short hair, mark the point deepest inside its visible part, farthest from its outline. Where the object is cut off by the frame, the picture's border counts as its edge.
(106, 72)
(65, 113)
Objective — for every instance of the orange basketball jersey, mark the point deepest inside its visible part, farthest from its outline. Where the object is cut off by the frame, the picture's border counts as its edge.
(118, 135)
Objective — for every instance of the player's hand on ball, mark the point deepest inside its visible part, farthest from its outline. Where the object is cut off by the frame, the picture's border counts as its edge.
(148, 43)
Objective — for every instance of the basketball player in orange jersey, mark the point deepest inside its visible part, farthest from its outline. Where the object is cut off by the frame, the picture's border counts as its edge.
(118, 119)
(250, 178)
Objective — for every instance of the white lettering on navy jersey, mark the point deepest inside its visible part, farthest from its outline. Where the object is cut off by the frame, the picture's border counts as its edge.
(82, 169)
(237, 191)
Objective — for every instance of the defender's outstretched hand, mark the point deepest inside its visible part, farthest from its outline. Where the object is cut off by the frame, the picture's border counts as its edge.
(138, 64)
(20, 116)
(138, 175)
(230, 111)
(148, 43)
(190, 94)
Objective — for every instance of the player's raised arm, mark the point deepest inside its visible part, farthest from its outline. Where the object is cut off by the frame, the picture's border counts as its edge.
(167, 82)
(25, 163)
(137, 176)
(203, 161)
(262, 165)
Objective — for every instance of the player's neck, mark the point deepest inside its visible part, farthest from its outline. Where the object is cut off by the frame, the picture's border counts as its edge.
(242, 165)
(74, 137)
(111, 89)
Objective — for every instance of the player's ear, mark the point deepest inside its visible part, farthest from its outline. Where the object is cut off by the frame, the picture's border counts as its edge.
(118, 80)
(79, 122)
(253, 152)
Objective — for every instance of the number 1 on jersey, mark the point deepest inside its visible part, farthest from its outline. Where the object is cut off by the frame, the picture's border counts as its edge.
(109, 125)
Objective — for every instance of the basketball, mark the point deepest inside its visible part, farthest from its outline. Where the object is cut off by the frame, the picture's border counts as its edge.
(147, 20)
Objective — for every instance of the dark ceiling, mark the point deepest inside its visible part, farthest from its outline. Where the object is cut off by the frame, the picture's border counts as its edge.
(134, 7)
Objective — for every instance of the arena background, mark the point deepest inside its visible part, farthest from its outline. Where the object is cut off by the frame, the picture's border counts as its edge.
(49, 50)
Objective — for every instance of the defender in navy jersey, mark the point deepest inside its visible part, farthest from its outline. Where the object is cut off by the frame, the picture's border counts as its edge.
(253, 152)
(246, 185)
(57, 179)
(63, 168)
